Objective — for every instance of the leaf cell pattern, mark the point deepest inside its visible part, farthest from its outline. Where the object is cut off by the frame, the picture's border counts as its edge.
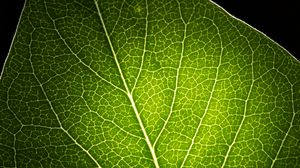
(146, 83)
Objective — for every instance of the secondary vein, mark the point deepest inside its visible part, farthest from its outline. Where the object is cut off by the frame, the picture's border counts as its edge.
(144, 50)
(245, 109)
(177, 79)
(73, 53)
(57, 118)
(208, 103)
(292, 121)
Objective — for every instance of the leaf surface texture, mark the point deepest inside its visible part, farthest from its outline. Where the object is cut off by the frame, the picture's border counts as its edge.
(146, 83)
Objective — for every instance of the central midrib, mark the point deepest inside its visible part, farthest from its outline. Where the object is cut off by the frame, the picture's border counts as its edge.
(129, 95)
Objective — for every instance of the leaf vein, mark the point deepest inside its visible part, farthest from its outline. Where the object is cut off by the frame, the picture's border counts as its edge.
(144, 49)
(129, 95)
(209, 100)
(57, 118)
(291, 124)
(245, 107)
(73, 53)
(176, 79)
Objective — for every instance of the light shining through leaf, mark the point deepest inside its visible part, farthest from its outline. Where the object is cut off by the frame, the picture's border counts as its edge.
(146, 83)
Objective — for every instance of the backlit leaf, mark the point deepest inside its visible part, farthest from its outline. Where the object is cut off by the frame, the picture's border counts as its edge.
(146, 83)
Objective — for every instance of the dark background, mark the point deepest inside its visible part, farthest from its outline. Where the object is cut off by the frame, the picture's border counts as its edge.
(277, 19)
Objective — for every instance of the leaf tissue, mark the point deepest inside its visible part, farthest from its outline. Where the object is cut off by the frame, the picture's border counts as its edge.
(146, 83)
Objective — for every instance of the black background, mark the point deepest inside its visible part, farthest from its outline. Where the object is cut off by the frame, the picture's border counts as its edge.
(277, 19)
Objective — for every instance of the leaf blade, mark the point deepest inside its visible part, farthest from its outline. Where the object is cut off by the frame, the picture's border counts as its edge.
(204, 88)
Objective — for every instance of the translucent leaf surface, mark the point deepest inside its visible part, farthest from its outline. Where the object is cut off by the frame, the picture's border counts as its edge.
(146, 83)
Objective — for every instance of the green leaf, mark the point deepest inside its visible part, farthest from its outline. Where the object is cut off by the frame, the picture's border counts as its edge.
(146, 83)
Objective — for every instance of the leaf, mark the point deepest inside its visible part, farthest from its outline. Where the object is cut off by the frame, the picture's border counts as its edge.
(146, 83)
